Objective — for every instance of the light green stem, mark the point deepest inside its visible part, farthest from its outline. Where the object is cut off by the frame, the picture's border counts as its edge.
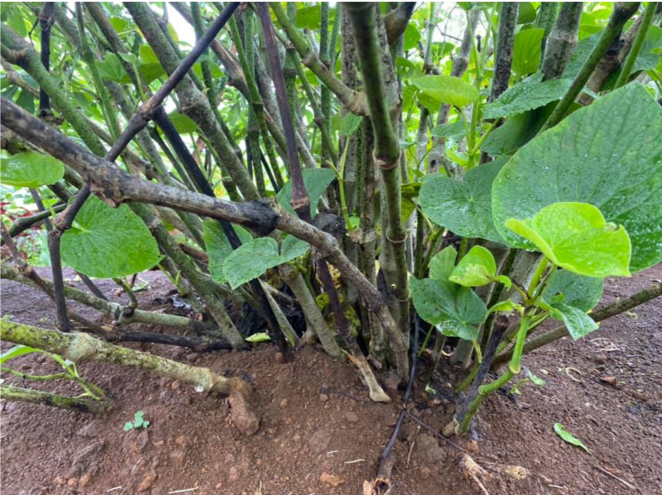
(649, 13)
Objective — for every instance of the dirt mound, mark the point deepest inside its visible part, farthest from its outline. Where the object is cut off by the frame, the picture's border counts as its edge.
(320, 433)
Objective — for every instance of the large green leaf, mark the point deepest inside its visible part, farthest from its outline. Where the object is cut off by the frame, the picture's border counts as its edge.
(30, 169)
(517, 131)
(252, 259)
(575, 236)
(464, 207)
(316, 180)
(526, 95)
(455, 131)
(108, 242)
(608, 154)
(218, 246)
(526, 51)
(454, 312)
(447, 89)
(475, 269)
(443, 264)
(574, 290)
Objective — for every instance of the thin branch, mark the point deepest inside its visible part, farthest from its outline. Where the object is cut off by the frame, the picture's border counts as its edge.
(354, 101)
(646, 22)
(46, 19)
(614, 309)
(397, 19)
(621, 14)
(116, 186)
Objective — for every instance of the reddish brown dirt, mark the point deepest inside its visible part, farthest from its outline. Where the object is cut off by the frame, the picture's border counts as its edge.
(319, 426)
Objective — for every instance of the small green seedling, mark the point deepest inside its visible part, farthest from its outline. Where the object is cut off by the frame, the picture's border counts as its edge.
(530, 377)
(137, 423)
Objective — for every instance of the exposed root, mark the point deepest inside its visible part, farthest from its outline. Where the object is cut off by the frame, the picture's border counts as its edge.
(472, 470)
(376, 392)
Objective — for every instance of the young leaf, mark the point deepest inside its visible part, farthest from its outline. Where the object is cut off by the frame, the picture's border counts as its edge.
(506, 306)
(576, 237)
(526, 51)
(16, 351)
(108, 242)
(454, 312)
(569, 437)
(574, 290)
(606, 154)
(526, 95)
(446, 89)
(218, 246)
(316, 181)
(443, 264)
(349, 124)
(576, 321)
(477, 268)
(30, 169)
(252, 259)
(464, 207)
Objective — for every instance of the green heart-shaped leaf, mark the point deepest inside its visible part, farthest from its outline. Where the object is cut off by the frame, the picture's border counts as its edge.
(464, 207)
(315, 180)
(30, 169)
(574, 290)
(447, 89)
(252, 259)
(575, 236)
(108, 242)
(477, 268)
(455, 312)
(443, 264)
(218, 246)
(593, 157)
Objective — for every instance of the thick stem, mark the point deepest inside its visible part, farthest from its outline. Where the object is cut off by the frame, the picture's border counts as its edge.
(546, 18)
(301, 204)
(562, 40)
(116, 186)
(504, 51)
(387, 151)
(621, 14)
(80, 347)
(310, 310)
(397, 19)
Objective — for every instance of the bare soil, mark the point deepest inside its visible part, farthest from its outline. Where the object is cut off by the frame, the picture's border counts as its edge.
(321, 435)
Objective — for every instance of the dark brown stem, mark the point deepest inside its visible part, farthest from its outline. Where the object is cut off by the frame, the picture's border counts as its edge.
(46, 19)
(500, 326)
(504, 53)
(203, 185)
